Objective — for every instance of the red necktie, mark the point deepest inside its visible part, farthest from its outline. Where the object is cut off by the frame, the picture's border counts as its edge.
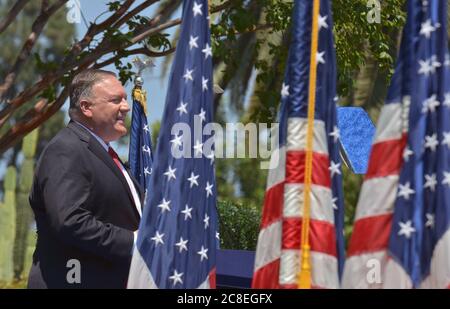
(115, 158)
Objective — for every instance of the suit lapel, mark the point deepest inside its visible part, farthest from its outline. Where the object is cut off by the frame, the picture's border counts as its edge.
(97, 149)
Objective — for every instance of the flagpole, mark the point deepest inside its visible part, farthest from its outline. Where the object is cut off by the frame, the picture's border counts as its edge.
(304, 277)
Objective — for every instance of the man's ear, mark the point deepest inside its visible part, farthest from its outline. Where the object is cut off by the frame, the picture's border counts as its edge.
(86, 108)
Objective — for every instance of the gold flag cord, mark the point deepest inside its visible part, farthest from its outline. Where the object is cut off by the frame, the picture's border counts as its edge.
(140, 95)
(304, 277)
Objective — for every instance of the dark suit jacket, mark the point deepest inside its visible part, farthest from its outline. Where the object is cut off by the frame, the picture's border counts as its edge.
(84, 210)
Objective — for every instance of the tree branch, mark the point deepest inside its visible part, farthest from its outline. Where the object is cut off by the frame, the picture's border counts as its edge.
(36, 31)
(31, 120)
(134, 12)
(15, 10)
(93, 30)
(126, 53)
(149, 30)
(68, 65)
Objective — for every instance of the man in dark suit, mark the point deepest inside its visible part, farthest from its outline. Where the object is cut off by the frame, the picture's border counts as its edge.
(86, 204)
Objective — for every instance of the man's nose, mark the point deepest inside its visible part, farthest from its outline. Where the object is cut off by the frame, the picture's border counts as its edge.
(124, 107)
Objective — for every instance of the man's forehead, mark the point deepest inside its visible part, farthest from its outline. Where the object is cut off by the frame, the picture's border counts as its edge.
(109, 85)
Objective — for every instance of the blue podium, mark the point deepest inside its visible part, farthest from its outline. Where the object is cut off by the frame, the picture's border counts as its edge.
(235, 269)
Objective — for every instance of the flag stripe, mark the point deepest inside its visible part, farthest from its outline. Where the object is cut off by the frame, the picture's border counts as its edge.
(321, 202)
(377, 197)
(386, 158)
(322, 236)
(263, 277)
(324, 272)
(295, 168)
(269, 245)
(389, 125)
(296, 140)
(371, 234)
(273, 205)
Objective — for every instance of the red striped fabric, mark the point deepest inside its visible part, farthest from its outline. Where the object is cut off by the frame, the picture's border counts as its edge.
(278, 251)
(372, 227)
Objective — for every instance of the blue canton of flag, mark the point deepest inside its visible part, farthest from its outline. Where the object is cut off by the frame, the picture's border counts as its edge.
(140, 155)
(178, 234)
(420, 235)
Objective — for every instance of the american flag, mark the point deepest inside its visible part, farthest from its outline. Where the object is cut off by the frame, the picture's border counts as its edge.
(178, 236)
(278, 253)
(401, 236)
(140, 152)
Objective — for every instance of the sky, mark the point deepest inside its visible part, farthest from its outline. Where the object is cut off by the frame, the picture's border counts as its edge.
(155, 86)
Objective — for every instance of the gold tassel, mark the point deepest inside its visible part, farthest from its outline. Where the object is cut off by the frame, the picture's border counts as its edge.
(140, 95)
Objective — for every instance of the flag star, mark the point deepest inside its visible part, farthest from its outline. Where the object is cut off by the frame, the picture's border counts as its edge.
(170, 173)
(430, 104)
(319, 57)
(176, 277)
(405, 191)
(145, 128)
(204, 84)
(158, 238)
(146, 149)
(206, 221)
(208, 189)
(198, 147)
(334, 200)
(336, 98)
(193, 179)
(197, 9)
(176, 141)
(146, 171)
(188, 75)
(202, 115)
(285, 91)
(207, 51)
(406, 229)
(434, 63)
(335, 134)
(427, 28)
(187, 212)
(211, 157)
(203, 254)
(182, 108)
(430, 182)
(446, 180)
(323, 22)
(193, 42)
(217, 235)
(430, 220)
(406, 153)
(164, 205)
(335, 168)
(447, 99)
(431, 142)
(447, 60)
(425, 67)
(446, 140)
(182, 244)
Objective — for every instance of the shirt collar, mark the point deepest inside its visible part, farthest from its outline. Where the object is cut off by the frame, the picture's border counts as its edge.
(102, 142)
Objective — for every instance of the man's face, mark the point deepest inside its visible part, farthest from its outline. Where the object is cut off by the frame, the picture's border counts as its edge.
(109, 109)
